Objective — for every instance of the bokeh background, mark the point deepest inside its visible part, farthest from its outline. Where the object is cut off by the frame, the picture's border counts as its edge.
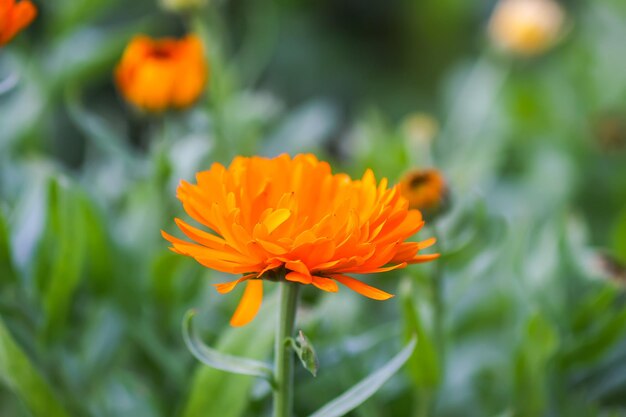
(530, 285)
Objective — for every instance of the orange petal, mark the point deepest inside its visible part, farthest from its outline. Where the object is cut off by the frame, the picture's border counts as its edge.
(207, 239)
(388, 268)
(361, 288)
(325, 284)
(427, 243)
(298, 266)
(276, 218)
(249, 304)
(424, 258)
(271, 264)
(20, 16)
(272, 247)
(226, 287)
(298, 277)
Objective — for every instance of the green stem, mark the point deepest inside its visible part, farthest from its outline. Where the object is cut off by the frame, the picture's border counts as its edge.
(424, 398)
(283, 367)
(438, 313)
(437, 288)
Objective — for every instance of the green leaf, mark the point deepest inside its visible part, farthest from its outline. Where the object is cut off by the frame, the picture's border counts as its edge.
(423, 366)
(95, 128)
(306, 353)
(7, 271)
(531, 362)
(619, 236)
(360, 392)
(19, 375)
(221, 361)
(592, 307)
(597, 341)
(229, 392)
(61, 255)
(99, 256)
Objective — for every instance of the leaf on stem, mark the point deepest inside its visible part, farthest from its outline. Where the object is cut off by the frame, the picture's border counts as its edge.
(221, 361)
(305, 351)
(360, 392)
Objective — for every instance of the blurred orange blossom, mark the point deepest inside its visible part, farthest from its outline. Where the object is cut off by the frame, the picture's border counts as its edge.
(292, 219)
(425, 189)
(159, 74)
(14, 16)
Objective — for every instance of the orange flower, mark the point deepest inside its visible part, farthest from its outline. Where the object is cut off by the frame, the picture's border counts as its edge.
(293, 219)
(425, 189)
(14, 17)
(165, 73)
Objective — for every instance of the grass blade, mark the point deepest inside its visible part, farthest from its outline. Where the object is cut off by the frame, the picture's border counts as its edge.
(359, 393)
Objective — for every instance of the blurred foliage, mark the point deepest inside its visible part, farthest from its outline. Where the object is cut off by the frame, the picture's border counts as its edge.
(522, 316)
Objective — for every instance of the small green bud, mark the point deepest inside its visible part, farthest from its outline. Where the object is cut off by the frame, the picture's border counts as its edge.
(306, 353)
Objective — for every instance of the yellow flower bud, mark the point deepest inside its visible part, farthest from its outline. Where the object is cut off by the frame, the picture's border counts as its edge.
(420, 128)
(183, 5)
(526, 27)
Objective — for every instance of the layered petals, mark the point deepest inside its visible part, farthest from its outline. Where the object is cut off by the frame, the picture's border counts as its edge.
(292, 219)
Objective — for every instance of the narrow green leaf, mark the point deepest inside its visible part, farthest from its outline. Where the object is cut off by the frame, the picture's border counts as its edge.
(99, 257)
(360, 392)
(229, 392)
(19, 375)
(530, 366)
(221, 361)
(95, 128)
(61, 256)
(597, 341)
(423, 366)
(7, 271)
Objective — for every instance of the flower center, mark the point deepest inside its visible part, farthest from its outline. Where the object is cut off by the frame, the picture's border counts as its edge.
(418, 180)
(161, 53)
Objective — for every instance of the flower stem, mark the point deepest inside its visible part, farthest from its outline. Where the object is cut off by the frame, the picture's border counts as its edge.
(283, 367)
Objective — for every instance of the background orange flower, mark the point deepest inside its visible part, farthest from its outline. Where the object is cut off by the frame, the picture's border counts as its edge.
(14, 17)
(425, 189)
(294, 217)
(157, 74)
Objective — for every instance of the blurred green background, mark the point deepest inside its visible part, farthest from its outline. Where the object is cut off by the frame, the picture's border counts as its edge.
(530, 287)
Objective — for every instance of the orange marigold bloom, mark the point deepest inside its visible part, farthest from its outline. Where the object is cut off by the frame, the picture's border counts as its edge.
(157, 74)
(292, 218)
(425, 189)
(14, 17)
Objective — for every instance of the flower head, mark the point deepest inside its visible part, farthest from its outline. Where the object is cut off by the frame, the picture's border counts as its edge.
(425, 189)
(157, 74)
(526, 27)
(291, 218)
(14, 16)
